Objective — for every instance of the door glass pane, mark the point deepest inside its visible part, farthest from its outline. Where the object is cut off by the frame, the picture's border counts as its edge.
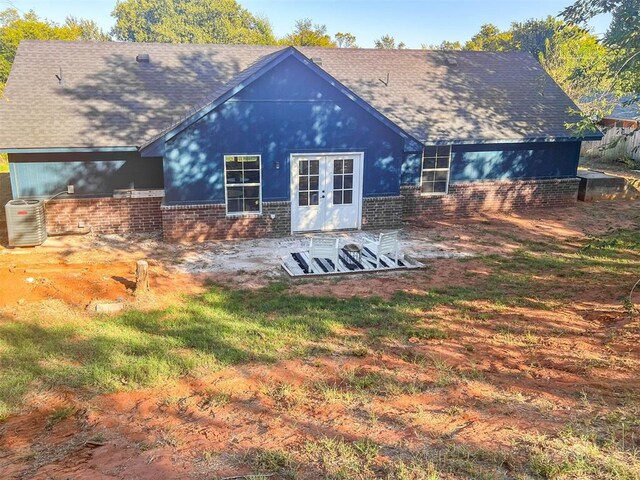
(337, 197)
(313, 182)
(348, 165)
(347, 197)
(348, 181)
(304, 183)
(303, 199)
(337, 182)
(314, 198)
(314, 167)
(337, 166)
(304, 167)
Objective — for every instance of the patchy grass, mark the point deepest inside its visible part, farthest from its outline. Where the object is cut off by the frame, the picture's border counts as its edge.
(339, 459)
(429, 363)
(224, 327)
(59, 415)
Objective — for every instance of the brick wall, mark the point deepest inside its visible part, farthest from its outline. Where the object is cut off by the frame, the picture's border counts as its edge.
(104, 215)
(472, 197)
(382, 212)
(209, 222)
(204, 222)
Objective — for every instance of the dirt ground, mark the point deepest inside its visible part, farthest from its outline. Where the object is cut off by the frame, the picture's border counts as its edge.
(499, 374)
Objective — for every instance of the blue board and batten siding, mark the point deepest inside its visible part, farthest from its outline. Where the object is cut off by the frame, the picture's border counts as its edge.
(504, 161)
(290, 109)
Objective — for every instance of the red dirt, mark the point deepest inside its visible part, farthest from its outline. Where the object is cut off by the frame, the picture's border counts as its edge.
(583, 359)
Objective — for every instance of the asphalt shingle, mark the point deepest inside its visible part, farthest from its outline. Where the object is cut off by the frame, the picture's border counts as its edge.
(107, 99)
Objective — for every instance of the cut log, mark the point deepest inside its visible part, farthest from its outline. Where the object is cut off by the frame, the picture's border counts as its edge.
(142, 277)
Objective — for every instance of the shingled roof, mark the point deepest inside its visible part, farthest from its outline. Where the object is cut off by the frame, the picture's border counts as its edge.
(106, 99)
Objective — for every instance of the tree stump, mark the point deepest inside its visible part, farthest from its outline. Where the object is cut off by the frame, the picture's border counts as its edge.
(142, 277)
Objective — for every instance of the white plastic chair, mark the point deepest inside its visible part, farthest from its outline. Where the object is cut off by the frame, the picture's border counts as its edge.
(387, 244)
(325, 248)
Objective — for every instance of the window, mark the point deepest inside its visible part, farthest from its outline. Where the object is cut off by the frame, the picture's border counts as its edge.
(242, 183)
(435, 169)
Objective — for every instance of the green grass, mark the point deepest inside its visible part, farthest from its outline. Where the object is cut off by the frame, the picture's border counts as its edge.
(4, 163)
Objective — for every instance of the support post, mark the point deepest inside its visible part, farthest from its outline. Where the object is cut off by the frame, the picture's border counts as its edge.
(142, 277)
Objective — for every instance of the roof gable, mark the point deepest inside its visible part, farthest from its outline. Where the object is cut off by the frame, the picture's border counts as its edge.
(108, 100)
(246, 78)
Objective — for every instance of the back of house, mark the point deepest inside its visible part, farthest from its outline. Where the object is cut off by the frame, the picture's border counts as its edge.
(228, 141)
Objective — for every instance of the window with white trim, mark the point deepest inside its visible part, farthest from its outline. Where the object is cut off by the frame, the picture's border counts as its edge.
(436, 161)
(242, 184)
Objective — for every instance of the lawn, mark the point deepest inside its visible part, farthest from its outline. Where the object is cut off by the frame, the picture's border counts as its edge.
(525, 366)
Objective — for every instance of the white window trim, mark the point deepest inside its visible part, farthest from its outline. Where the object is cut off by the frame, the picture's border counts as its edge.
(259, 185)
(448, 170)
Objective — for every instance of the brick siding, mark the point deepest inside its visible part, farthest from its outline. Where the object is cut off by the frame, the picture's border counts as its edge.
(382, 212)
(104, 215)
(191, 223)
(468, 198)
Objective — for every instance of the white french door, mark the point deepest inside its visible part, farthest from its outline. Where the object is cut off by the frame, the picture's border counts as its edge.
(326, 191)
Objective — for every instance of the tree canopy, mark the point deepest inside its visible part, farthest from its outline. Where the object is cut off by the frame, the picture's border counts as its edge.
(189, 21)
(388, 42)
(530, 36)
(345, 40)
(623, 35)
(15, 27)
(308, 34)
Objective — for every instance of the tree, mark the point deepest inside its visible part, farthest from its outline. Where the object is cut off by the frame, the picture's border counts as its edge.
(345, 40)
(14, 28)
(388, 42)
(189, 21)
(491, 39)
(532, 35)
(86, 29)
(306, 34)
(581, 65)
(622, 37)
(445, 45)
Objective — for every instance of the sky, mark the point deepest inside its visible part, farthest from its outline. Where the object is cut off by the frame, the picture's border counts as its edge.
(415, 22)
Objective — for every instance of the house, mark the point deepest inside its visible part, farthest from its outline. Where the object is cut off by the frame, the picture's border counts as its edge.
(621, 131)
(227, 141)
(625, 113)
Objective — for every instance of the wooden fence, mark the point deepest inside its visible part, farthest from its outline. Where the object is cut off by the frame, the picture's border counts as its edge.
(617, 143)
